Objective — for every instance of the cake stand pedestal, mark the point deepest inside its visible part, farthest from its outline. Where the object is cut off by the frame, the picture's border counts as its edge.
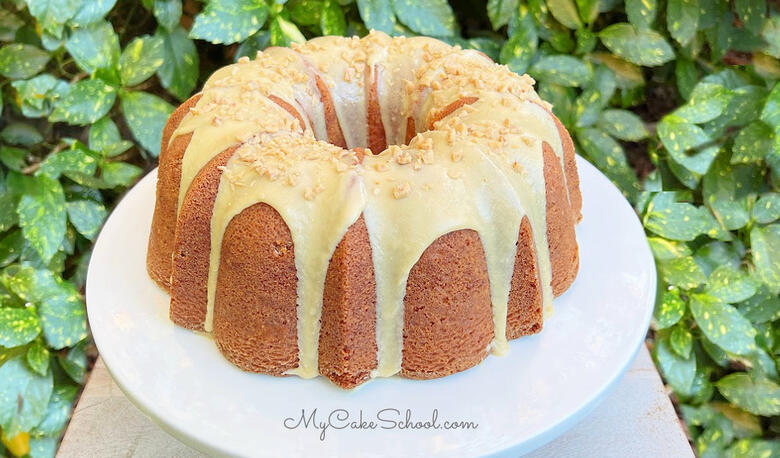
(635, 419)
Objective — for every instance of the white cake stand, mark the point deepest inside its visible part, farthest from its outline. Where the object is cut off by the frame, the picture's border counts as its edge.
(519, 402)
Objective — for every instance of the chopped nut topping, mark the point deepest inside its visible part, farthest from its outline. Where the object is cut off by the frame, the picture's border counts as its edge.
(402, 190)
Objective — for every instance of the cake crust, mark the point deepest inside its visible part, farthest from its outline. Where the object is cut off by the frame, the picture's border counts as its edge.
(255, 320)
(158, 258)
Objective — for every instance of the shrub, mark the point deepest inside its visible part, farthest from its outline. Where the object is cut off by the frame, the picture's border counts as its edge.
(676, 101)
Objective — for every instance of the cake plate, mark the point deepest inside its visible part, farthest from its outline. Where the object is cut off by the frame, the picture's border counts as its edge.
(505, 406)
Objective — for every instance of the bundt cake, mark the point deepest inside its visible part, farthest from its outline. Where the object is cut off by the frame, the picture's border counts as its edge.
(364, 207)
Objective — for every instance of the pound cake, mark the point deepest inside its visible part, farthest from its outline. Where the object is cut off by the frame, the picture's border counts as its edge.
(364, 207)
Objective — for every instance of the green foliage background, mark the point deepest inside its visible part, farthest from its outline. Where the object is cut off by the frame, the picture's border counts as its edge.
(677, 101)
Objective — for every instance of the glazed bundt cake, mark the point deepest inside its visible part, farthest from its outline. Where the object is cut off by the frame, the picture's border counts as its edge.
(361, 208)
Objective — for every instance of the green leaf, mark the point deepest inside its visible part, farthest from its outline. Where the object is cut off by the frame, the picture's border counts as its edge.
(9, 24)
(11, 246)
(687, 76)
(167, 13)
(229, 21)
(642, 47)
(377, 14)
(590, 103)
(19, 61)
(561, 69)
(762, 307)
(499, 12)
(94, 47)
(251, 45)
(307, 12)
(770, 32)
(682, 19)
(729, 190)
(641, 13)
(752, 143)
(13, 158)
(39, 94)
(426, 17)
(8, 217)
(589, 11)
(22, 134)
(519, 50)
(679, 136)
(676, 220)
(622, 124)
(765, 244)
(120, 174)
(24, 396)
(43, 447)
(38, 357)
(723, 324)
(767, 208)
(745, 106)
(85, 102)
(179, 71)
(104, 137)
(58, 410)
(146, 115)
(284, 32)
(678, 372)
(561, 98)
(627, 75)
(752, 13)
(743, 423)
(707, 102)
(757, 396)
(52, 14)
(332, 21)
(60, 308)
(665, 250)
(731, 285)
(92, 11)
(714, 254)
(681, 341)
(75, 362)
(771, 112)
(18, 326)
(750, 448)
(565, 11)
(140, 59)
(42, 216)
(610, 158)
(586, 41)
(683, 272)
(669, 310)
(87, 216)
(74, 159)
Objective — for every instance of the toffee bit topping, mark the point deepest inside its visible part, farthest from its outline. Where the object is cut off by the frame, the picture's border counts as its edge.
(311, 193)
(400, 155)
(527, 140)
(402, 190)
(456, 156)
(243, 60)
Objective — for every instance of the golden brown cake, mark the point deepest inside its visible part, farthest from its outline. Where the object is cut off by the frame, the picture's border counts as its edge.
(361, 208)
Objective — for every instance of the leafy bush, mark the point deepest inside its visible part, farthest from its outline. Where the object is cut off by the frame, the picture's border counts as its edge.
(676, 101)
